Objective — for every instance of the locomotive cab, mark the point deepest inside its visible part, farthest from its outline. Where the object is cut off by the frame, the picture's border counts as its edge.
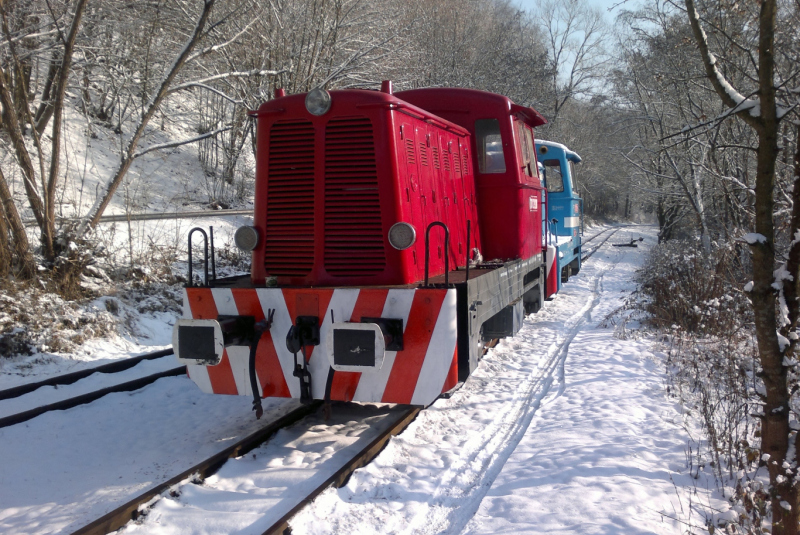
(509, 191)
(565, 207)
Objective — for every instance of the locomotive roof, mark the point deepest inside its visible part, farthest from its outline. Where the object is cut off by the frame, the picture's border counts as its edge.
(571, 155)
(461, 100)
(362, 97)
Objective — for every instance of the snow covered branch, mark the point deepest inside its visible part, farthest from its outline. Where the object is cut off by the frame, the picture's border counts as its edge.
(181, 142)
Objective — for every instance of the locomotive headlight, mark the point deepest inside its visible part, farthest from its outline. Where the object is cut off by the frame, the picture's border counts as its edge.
(246, 238)
(402, 236)
(318, 101)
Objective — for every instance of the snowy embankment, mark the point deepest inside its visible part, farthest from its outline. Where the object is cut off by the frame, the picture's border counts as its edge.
(565, 428)
(41, 334)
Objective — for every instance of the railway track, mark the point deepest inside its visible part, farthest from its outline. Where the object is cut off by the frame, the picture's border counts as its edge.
(305, 417)
(122, 365)
(589, 254)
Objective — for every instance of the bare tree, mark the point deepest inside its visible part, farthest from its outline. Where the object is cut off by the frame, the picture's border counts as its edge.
(775, 329)
(41, 203)
(576, 35)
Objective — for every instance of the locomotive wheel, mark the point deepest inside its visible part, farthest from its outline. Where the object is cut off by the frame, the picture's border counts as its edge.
(533, 303)
(566, 273)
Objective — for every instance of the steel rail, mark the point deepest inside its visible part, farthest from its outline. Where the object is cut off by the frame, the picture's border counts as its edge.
(583, 242)
(69, 378)
(339, 479)
(122, 218)
(589, 255)
(83, 399)
(123, 514)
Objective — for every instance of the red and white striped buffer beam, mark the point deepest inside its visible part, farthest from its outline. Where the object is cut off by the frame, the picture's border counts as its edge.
(551, 271)
(416, 375)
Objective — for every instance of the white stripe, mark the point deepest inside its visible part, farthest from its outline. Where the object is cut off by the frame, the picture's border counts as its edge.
(239, 357)
(572, 222)
(199, 374)
(272, 298)
(551, 257)
(187, 309)
(343, 301)
(372, 384)
(223, 299)
(439, 356)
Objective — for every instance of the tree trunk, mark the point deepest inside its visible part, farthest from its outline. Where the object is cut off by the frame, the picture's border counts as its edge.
(21, 249)
(775, 429)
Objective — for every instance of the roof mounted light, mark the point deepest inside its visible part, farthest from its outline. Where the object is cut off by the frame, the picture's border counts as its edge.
(318, 101)
(402, 236)
(246, 238)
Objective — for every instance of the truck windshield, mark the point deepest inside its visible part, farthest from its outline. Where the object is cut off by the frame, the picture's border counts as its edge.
(490, 146)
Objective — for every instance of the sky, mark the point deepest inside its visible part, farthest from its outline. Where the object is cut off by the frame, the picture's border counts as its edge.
(605, 5)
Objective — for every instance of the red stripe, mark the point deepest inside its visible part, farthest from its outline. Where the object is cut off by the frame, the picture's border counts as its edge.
(369, 304)
(452, 375)
(268, 366)
(202, 306)
(416, 338)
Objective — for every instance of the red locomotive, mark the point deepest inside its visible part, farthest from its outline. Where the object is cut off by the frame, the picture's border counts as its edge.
(393, 235)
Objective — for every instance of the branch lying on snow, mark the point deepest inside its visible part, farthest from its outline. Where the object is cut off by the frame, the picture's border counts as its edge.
(181, 142)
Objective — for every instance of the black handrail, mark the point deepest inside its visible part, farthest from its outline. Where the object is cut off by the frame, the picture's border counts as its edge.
(213, 261)
(205, 261)
(446, 250)
(469, 224)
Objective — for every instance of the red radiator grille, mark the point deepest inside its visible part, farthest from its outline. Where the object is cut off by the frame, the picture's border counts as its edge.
(354, 242)
(290, 199)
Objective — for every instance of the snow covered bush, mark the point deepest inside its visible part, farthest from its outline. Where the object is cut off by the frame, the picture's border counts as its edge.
(682, 287)
(697, 304)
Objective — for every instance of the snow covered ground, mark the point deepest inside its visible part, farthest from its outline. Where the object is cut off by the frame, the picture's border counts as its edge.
(565, 428)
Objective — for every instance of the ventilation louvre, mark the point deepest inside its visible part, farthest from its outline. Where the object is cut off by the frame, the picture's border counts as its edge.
(354, 241)
(290, 199)
(423, 154)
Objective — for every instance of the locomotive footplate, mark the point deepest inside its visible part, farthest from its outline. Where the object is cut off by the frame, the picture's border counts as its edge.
(401, 344)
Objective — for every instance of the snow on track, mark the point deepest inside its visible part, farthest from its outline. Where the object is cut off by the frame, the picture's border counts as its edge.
(97, 381)
(63, 469)
(252, 492)
(476, 463)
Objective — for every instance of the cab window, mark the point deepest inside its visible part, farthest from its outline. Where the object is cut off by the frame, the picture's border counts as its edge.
(490, 146)
(572, 177)
(526, 148)
(555, 182)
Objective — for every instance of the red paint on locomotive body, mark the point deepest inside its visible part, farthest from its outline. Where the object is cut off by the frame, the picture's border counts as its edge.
(329, 188)
(510, 194)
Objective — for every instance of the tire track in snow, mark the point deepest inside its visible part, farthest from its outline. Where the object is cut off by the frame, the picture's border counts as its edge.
(465, 483)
